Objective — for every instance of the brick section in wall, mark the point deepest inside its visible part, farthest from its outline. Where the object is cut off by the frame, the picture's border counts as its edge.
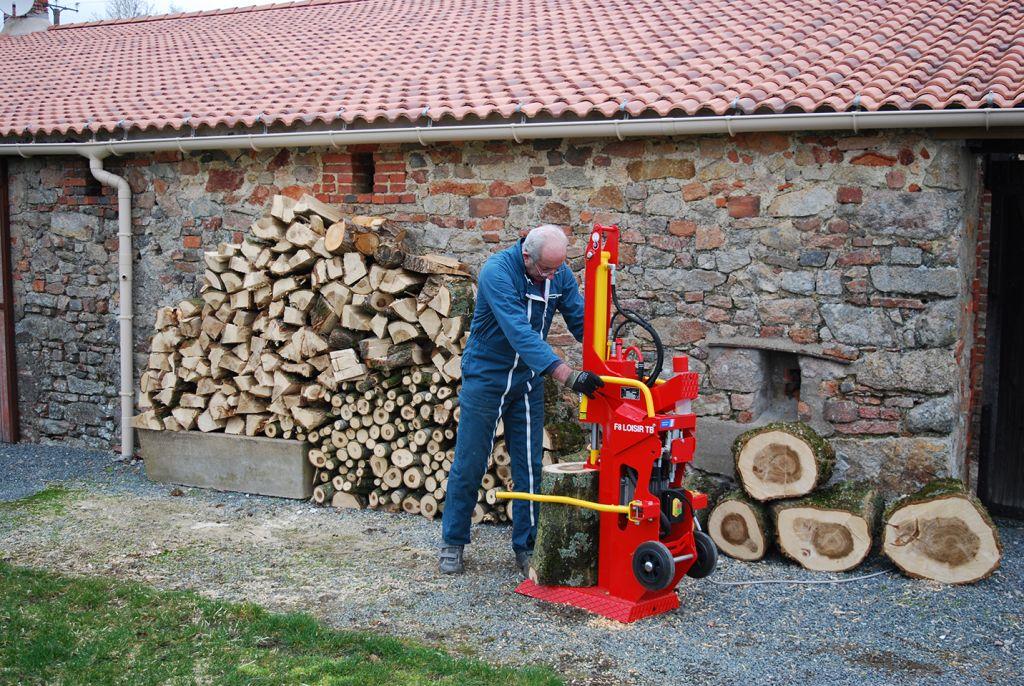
(363, 174)
(78, 188)
(979, 306)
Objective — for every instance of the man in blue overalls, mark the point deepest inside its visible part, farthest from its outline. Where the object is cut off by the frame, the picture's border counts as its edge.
(518, 292)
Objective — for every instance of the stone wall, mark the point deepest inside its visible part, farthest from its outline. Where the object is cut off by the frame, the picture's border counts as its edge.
(824, 277)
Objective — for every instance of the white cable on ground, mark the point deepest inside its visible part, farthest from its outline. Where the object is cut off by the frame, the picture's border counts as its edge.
(799, 581)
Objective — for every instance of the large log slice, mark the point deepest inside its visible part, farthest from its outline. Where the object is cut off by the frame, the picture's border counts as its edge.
(565, 553)
(740, 527)
(942, 533)
(831, 530)
(782, 460)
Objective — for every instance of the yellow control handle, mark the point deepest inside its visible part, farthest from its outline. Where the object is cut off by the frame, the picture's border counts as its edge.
(634, 383)
(564, 500)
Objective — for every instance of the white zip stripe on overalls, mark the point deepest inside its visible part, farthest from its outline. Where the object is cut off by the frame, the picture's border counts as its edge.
(508, 383)
(526, 397)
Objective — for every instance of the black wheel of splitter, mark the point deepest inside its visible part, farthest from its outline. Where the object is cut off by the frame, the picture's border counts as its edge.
(707, 556)
(653, 565)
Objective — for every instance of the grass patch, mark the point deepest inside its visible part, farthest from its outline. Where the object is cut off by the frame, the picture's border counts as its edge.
(57, 629)
(52, 500)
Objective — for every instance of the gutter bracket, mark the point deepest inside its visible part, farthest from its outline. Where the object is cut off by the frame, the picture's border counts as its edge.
(419, 132)
(735, 107)
(512, 127)
(184, 122)
(855, 107)
(330, 131)
(522, 120)
(110, 143)
(419, 129)
(616, 122)
(259, 118)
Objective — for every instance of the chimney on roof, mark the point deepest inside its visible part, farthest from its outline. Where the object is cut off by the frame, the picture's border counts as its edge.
(37, 18)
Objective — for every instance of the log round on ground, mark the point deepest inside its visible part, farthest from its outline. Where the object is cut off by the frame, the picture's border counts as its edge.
(740, 527)
(565, 553)
(942, 533)
(348, 501)
(323, 493)
(832, 530)
(782, 460)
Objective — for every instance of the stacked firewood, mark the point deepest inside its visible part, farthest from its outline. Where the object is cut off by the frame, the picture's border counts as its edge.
(940, 533)
(308, 301)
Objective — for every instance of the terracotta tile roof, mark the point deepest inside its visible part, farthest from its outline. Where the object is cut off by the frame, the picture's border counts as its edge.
(391, 60)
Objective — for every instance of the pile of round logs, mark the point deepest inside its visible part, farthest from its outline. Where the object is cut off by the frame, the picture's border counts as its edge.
(939, 533)
(391, 447)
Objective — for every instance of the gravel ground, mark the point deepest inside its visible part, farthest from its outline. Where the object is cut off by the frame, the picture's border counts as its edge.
(375, 572)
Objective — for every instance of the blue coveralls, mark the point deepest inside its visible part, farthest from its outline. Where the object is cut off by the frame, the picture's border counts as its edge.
(502, 368)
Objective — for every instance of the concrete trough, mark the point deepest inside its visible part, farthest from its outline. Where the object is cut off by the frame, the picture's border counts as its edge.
(246, 464)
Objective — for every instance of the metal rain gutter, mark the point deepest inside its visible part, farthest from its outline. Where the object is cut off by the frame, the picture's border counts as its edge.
(615, 128)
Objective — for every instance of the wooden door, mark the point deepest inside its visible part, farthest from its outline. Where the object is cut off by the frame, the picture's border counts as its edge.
(1001, 465)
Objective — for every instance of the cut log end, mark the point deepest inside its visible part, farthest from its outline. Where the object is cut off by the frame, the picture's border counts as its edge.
(949, 539)
(830, 531)
(739, 528)
(782, 461)
(823, 540)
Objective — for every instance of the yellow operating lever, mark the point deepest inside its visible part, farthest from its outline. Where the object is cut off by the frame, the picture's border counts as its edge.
(564, 500)
(633, 383)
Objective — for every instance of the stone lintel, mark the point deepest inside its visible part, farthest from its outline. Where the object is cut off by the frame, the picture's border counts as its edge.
(776, 344)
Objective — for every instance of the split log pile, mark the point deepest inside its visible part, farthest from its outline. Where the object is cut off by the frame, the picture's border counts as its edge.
(311, 319)
(307, 302)
(940, 533)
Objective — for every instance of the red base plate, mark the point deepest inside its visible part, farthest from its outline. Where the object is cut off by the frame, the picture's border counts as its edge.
(597, 600)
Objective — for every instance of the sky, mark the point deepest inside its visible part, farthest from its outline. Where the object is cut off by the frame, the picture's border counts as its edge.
(91, 10)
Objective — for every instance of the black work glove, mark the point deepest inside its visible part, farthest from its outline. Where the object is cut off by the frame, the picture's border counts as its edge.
(584, 382)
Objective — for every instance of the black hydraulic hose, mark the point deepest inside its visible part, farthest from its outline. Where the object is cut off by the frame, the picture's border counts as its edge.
(631, 316)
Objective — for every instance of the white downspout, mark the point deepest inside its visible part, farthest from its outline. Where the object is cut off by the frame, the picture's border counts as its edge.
(124, 279)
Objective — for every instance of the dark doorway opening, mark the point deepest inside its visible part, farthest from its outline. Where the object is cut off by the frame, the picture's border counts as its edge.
(8, 371)
(1001, 454)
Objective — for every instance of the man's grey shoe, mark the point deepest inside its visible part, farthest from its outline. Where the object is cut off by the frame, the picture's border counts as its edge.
(450, 561)
(523, 561)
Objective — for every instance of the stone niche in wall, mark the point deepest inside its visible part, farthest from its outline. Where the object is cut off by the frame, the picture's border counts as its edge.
(765, 380)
